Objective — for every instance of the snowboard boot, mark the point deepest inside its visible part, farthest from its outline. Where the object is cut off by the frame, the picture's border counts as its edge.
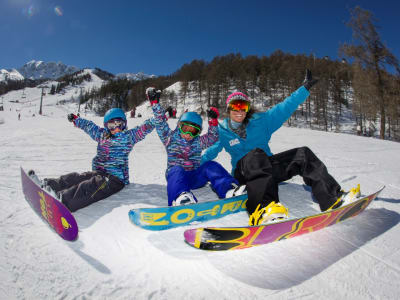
(236, 190)
(273, 212)
(49, 189)
(184, 199)
(43, 184)
(35, 178)
(347, 197)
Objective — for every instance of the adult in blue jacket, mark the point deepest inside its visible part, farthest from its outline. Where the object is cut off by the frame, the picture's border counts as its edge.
(245, 136)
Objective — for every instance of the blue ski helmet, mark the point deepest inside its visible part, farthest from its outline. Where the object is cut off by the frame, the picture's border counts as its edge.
(114, 113)
(192, 117)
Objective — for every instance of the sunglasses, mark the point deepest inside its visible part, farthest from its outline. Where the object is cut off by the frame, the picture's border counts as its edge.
(187, 128)
(238, 105)
(115, 123)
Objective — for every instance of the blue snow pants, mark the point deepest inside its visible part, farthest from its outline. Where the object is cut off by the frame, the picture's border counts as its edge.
(179, 180)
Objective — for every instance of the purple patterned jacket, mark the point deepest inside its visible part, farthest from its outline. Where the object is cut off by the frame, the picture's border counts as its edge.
(181, 152)
(113, 151)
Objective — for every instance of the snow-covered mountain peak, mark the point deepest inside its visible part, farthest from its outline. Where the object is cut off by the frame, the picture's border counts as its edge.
(12, 74)
(51, 70)
(34, 63)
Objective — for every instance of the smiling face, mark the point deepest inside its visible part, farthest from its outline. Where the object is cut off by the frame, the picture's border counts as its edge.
(188, 130)
(116, 125)
(187, 137)
(116, 130)
(238, 108)
(237, 115)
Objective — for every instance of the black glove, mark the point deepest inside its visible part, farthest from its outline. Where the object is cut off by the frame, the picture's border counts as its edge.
(152, 95)
(213, 114)
(72, 117)
(308, 81)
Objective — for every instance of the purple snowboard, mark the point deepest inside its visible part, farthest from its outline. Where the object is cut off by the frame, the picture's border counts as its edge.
(233, 238)
(50, 209)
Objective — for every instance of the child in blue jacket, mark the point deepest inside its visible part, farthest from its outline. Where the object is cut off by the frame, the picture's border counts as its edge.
(245, 136)
(184, 145)
(110, 172)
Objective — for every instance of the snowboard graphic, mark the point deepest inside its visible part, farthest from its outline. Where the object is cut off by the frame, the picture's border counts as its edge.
(161, 218)
(50, 209)
(233, 238)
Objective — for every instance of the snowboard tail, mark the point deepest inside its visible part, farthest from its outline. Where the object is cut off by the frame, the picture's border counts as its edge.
(52, 211)
(233, 238)
(162, 218)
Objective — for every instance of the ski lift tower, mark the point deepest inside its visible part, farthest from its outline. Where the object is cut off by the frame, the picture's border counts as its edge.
(80, 100)
(41, 97)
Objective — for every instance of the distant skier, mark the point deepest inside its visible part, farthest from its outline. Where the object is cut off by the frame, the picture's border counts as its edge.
(245, 136)
(110, 171)
(170, 112)
(184, 146)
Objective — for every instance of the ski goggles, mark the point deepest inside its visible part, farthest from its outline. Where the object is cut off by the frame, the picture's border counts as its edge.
(238, 105)
(188, 128)
(115, 123)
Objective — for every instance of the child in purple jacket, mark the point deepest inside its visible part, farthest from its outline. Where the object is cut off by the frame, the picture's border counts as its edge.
(110, 171)
(184, 145)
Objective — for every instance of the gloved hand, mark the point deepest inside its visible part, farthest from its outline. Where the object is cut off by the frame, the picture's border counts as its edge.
(152, 95)
(213, 114)
(72, 117)
(308, 81)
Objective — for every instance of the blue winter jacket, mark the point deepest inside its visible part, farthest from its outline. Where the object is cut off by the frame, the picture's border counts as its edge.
(113, 150)
(259, 130)
(181, 152)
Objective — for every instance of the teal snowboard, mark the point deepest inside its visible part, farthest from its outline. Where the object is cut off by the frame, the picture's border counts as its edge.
(161, 218)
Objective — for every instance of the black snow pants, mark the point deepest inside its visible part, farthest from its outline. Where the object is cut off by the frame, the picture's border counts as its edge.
(262, 174)
(80, 190)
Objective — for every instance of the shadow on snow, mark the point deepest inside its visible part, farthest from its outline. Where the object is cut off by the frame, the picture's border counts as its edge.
(287, 263)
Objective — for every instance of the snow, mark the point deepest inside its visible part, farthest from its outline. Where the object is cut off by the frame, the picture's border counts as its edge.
(53, 70)
(12, 74)
(39, 69)
(113, 259)
(27, 101)
(134, 76)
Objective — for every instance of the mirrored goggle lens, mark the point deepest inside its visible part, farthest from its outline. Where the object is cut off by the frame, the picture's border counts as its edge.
(115, 123)
(238, 105)
(186, 128)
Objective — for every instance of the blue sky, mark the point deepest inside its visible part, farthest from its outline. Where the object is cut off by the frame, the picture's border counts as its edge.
(158, 37)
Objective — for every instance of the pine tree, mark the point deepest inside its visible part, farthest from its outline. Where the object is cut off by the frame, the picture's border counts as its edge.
(371, 54)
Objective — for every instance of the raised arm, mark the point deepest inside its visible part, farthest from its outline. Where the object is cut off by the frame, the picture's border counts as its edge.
(160, 120)
(139, 133)
(94, 131)
(281, 112)
(212, 135)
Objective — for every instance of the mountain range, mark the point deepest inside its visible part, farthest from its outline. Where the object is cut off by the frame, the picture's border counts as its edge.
(36, 69)
(51, 70)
